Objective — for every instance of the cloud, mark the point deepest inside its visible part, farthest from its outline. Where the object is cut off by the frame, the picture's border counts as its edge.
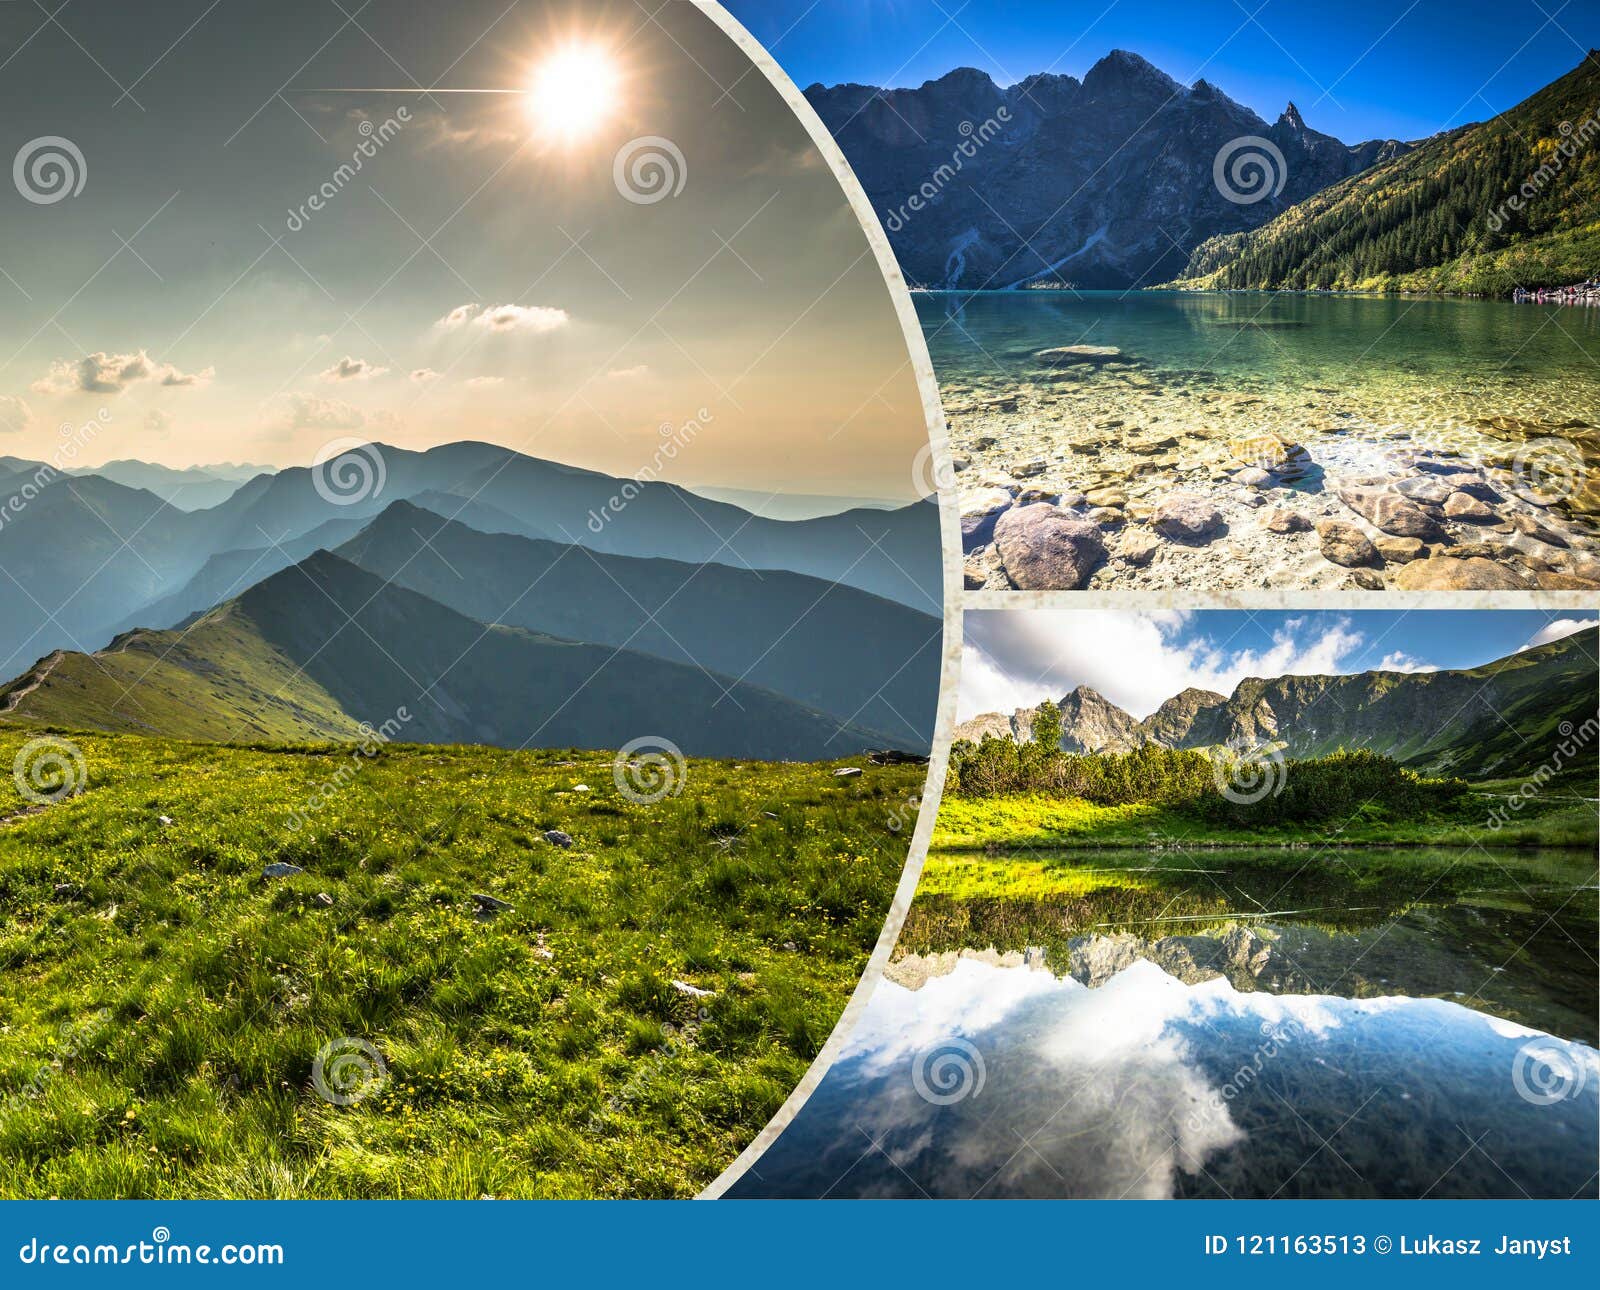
(103, 373)
(157, 422)
(502, 319)
(290, 412)
(485, 382)
(14, 415)
(628, 373)
(1556, 629)
(351, 369)
(1136, 660)
(423, 375)
(1399, 661)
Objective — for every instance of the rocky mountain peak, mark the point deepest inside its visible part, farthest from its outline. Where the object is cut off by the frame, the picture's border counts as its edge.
(1122, 73)
(1291, 117)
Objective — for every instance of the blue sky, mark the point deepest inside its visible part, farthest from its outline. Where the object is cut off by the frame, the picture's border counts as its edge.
(1013, 658)
(1361, 69)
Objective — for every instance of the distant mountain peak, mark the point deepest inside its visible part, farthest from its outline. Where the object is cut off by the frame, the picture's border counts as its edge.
(1123, 70)
(1291, 117)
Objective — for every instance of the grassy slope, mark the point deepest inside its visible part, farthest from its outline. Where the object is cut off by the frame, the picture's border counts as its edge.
(1554, 818)
(1554, 242)
(511, 1074)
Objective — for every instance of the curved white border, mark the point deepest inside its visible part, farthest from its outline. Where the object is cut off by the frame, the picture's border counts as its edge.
(950, 531)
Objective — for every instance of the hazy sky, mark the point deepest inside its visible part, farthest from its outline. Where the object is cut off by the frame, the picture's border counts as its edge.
(481, 276)
(1359, 69)
(1138, 660)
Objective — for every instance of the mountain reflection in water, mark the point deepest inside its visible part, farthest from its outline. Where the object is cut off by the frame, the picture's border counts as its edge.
(1220, 1058)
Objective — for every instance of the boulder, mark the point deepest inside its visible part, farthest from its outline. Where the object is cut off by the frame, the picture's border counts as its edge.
(1027, 469)
(1389, 511)
(1553, 581)
(1186, 517)
(1464, 506)
(1045, 550)
(1528, 526)
(280, 869)
(1346, 545)
(1399, 550)
(1282, 520)
(1106, 497)
(556, 838)
(1424, 488)
(1449, 573)
(847, 772)
(1062, 355)
(1139, 547)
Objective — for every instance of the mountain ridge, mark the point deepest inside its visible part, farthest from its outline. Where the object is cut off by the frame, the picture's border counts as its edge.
(1082, 183)
(1496, 714)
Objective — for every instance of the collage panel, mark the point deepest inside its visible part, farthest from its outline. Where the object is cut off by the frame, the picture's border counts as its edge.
(1240, 905)
(1194, 339)
(472, 614)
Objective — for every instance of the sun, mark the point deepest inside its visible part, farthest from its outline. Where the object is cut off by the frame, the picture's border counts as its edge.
(573, 91)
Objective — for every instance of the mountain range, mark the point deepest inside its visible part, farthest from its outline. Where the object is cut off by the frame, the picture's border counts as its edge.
(89, 557)
(1451, 215)
(322, 647)
(1499, 719)
(280, 615)
(1104, 182)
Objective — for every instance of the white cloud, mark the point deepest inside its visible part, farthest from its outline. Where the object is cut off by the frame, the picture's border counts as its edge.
(485, 382)
(1399, 661)
(501, 319)
(422, 375)
(628, 373)
(103, 373)
(1556, 629)
(14, 414)
(352, 369)
(157, 422)
(1015, 659)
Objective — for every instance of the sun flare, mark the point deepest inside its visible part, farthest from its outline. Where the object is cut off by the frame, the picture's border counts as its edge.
(573, 91)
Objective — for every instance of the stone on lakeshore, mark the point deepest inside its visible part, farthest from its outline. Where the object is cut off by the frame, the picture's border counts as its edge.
(1463, 506)
(1282, 520)
(1553, 581)
(1067, 354)
(1186, 517)
(1346, 545)
(1027, 469)
(1044, 549)
(1106, 497)
(1424, 488)
(1530, 527)
(1448, 573)
(1366, 579)
(1253, 477)
(1139, 547)
(1389, 511)
(1399, 550)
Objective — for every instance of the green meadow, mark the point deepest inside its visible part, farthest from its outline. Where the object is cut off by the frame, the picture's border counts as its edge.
(163, 1002)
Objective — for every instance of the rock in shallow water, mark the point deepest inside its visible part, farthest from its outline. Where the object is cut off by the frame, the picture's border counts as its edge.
(1346, 545)
(1463, 506)
(1044, 550)
(979, 511)
(1447, 573)
(1391, 512)
(1186, 517)
(1283, 520)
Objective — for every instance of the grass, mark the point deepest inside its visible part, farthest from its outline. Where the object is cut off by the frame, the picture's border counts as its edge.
(1557, 817)
(162, 1002)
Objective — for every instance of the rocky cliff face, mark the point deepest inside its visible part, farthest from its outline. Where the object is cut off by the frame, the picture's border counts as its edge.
(1500, 718)
(1105, 182)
